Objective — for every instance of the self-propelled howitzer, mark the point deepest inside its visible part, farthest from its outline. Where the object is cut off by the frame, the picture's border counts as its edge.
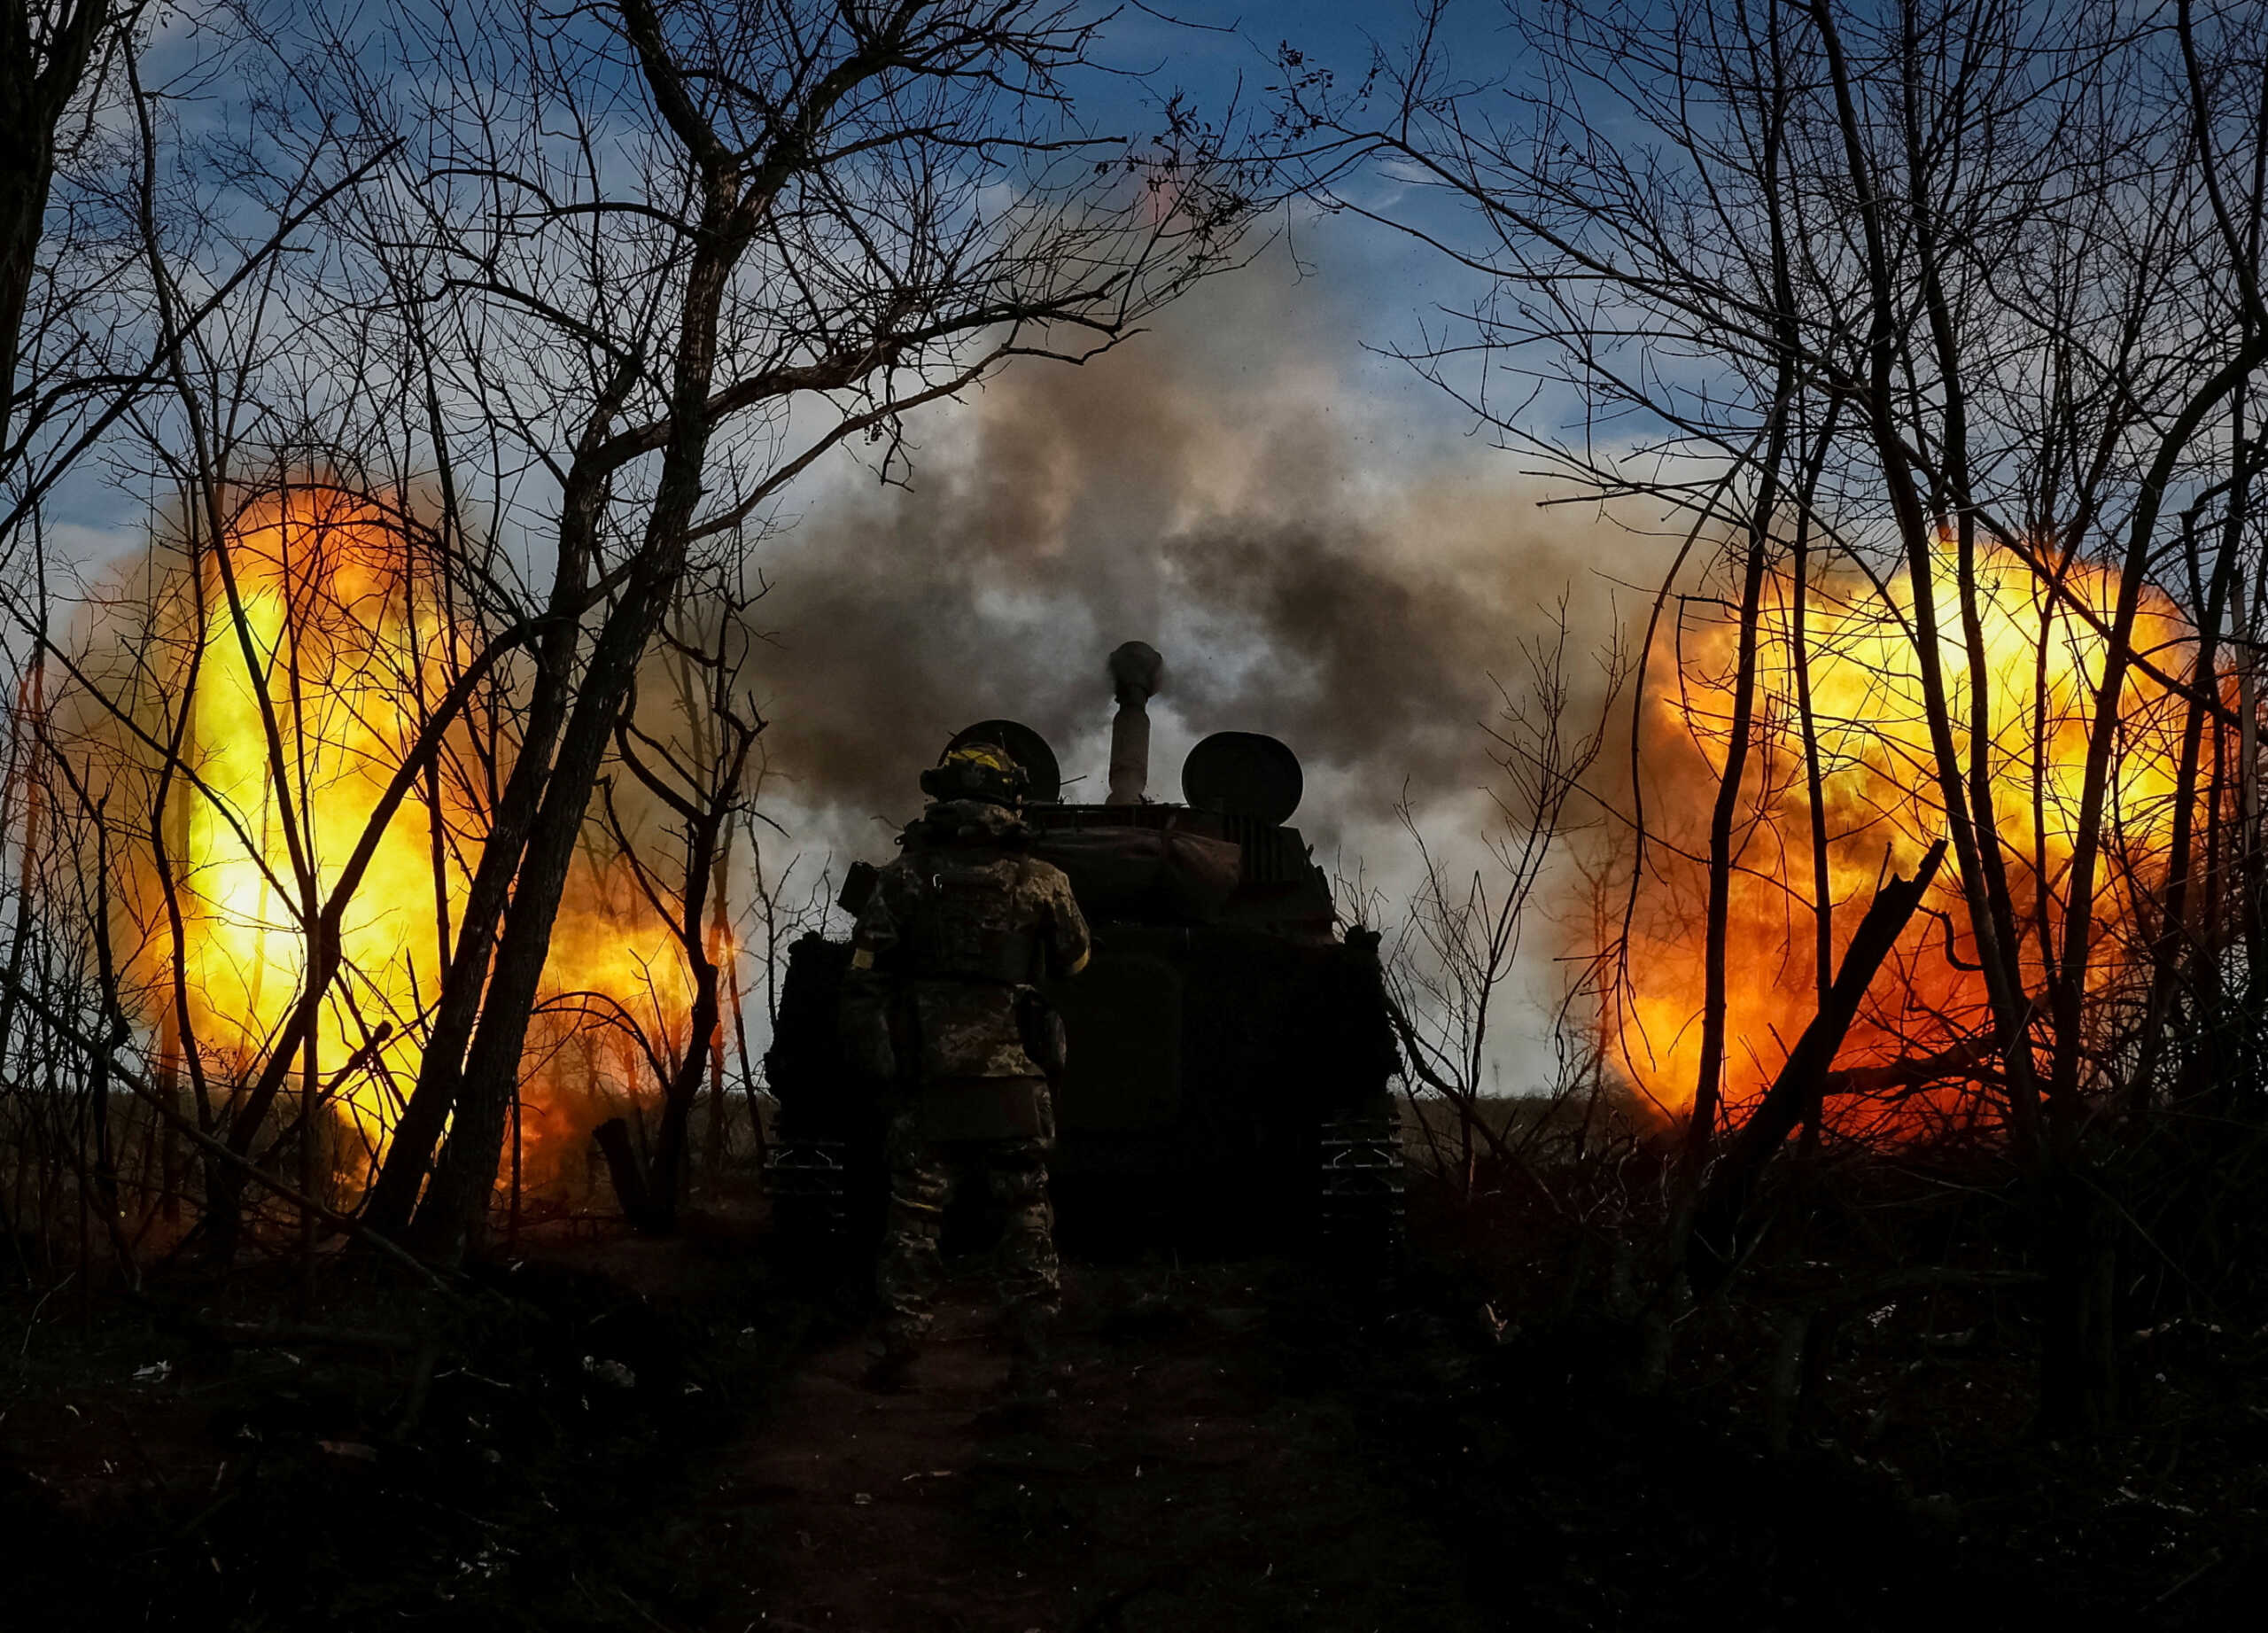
(1229, 1055)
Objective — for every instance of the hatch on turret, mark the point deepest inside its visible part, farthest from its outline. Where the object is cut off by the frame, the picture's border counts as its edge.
(1243, 774)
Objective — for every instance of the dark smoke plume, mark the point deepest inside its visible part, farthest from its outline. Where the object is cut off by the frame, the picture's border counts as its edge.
(1217, 492)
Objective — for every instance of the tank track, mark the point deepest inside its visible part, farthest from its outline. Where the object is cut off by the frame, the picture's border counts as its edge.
(809, 1183)
(1359, 1202)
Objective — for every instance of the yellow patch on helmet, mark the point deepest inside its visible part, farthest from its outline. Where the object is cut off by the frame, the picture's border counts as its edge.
(979, 754)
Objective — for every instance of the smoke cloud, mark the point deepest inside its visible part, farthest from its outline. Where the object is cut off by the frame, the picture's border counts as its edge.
(1308, 566)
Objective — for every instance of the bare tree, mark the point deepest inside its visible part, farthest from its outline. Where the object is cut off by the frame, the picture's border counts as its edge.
(692, 757)
(55, 60)
(1978, 285)
(667, 258)
(113, 212)
(1461, 941)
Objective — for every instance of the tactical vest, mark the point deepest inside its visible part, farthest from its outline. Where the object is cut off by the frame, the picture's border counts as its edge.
(955, 928)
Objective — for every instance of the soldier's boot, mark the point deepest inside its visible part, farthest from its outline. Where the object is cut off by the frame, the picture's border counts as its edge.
(1035, 1371)
(908, 1272)
(891, 1371)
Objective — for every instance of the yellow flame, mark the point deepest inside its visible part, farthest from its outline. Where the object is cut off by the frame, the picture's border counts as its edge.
(2043, 660)
(311, 683)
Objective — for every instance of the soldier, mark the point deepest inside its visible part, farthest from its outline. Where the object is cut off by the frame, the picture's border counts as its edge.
(941, 1007)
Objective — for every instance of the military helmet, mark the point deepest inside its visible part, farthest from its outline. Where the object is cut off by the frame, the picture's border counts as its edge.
(976, 770)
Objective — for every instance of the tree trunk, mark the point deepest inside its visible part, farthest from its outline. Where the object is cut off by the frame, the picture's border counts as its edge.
(450, 1218)
(2078, 1353)
(32, 97)
(455, 1207)
(409, 1151)
(1709, 1086)
(720, 955)
(1715, 1240)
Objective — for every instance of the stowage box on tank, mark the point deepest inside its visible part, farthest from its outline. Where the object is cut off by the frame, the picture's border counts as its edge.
(1229, 1052)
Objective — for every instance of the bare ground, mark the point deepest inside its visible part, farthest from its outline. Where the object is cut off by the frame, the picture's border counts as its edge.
(1175, 1484)
(651, 1439)
(626, 1434)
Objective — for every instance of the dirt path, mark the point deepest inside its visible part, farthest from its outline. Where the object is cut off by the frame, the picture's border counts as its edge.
(642, 1436)
(1184, 1480)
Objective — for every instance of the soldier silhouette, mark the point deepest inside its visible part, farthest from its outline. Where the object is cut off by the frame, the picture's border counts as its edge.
(941, 1007)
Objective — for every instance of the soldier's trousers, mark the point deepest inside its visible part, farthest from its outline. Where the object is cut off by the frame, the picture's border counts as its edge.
(924, 1176)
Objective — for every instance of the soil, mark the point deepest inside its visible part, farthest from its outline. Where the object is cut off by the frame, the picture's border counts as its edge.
(1179, 1480)
(632, 1434)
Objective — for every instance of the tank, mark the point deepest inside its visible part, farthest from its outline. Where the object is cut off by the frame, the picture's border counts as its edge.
(1230, 1057)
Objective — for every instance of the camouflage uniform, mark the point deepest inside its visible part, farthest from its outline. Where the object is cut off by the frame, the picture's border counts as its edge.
(945, 951)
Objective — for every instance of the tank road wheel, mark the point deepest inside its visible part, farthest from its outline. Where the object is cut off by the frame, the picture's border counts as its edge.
(1359, 1202)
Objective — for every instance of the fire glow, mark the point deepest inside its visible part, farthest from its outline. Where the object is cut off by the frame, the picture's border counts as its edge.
(308, 653)
(1881, 806)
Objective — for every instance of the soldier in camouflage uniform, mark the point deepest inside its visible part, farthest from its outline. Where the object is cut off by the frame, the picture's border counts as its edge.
(941, 1007)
